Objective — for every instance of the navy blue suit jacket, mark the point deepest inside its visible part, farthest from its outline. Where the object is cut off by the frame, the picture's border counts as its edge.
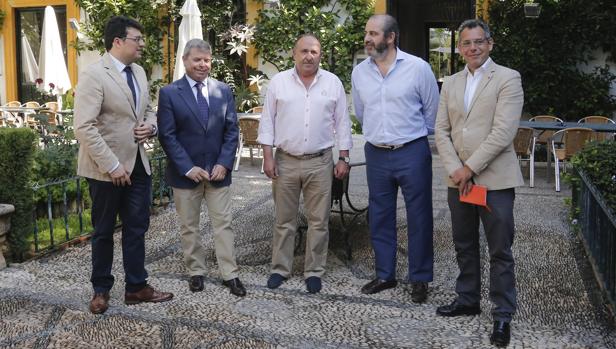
(187, 140)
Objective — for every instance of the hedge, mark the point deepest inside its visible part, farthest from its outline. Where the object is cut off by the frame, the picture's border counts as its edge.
(598, 161)
(17, 147)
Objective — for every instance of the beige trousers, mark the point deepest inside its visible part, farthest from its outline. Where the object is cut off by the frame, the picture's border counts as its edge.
(313, 178)
(188, 206)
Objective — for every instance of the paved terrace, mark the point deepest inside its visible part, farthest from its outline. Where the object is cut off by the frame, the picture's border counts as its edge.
(43, 303)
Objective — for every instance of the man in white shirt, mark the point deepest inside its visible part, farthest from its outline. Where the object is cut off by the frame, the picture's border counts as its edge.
(305, 114)
(477, 120)
(396, 97)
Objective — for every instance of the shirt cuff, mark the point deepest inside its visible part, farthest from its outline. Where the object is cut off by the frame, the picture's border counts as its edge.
(114, 167)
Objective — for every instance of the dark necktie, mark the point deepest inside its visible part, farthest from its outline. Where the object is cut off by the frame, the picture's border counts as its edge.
(202, 102)
(129, 79)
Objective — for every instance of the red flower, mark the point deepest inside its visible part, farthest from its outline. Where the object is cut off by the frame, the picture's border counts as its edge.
(51, 85)
(38, 81)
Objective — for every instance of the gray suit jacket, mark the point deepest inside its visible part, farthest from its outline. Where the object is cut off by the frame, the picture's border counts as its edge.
(105, 116)
(482, 138)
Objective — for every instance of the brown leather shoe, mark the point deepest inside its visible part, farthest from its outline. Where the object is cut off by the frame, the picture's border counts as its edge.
(147, 294)
(99, 303)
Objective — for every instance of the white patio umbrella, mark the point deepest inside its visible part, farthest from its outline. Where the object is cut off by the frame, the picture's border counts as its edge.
(29, 66)
(52, 66)
(441, 49)
(190, 28)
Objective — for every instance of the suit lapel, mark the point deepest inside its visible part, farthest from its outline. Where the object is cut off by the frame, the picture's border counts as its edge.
(459, 88)
(144, 94)
(120, 80)
(186, 92)
(487, 76)
(214, 99)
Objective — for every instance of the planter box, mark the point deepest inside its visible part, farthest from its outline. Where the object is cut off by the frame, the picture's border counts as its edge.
(5, 225)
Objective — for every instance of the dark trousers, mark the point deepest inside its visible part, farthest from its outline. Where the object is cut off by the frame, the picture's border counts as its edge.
(410, 169)
(132, 203)
(499, 229)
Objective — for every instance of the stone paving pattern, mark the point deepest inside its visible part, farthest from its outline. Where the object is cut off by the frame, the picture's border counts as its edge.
(44, 302)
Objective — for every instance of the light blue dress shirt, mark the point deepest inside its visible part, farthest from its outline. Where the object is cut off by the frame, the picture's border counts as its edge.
(399, 107)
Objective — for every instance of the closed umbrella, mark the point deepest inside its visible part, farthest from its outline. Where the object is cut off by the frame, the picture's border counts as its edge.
(190, 28)
(52, 66)
(28, 61)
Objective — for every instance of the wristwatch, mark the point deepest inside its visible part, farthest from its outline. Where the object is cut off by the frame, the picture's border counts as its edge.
(345, 159)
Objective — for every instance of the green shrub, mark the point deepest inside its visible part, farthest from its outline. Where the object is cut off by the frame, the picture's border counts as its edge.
(598, 161)
(16, 153)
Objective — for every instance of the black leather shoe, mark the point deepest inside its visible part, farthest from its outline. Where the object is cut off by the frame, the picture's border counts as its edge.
(501, 334)
(236, 287)
(377, 285)
(195, 284)
(457, 309)
(419, 292)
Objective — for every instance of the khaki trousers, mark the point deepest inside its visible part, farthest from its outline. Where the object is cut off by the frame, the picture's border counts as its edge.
(313, 178)
(188, 206)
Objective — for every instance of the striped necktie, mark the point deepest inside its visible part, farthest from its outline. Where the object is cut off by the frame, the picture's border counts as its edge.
(202, 102)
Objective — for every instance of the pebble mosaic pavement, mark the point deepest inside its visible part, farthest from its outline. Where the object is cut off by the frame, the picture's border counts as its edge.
(44, 302)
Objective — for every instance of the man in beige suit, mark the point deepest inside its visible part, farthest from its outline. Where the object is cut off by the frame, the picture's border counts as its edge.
(476, 123)
(112, 121)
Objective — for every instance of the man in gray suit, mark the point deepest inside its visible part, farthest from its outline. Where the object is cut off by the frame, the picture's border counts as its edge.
(477, 120)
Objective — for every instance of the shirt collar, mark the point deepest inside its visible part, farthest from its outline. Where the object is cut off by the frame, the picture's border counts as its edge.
(192, 82)
(481, 69)
(400, 56)
(296, 75)
(117, 63)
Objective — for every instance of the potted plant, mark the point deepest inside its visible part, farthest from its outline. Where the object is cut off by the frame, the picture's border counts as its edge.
(532, 9)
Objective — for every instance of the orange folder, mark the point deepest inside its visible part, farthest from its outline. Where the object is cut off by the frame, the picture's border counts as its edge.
(478, 195)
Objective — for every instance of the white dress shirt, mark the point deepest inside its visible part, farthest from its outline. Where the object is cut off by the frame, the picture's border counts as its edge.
(472, 81)
(302, 120)
(399, 107)
(120, 66)
(192, 83)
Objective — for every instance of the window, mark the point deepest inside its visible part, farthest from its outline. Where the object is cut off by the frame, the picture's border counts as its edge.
(28, 32)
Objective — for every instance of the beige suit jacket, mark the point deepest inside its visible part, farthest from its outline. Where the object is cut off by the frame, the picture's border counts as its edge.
(481, 138)
(105, 116)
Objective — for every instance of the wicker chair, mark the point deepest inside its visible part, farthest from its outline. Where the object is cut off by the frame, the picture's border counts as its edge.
(573, 140)
(29, 119)
(595, 119)
(249, 127)
(524, 145)
(10, 119)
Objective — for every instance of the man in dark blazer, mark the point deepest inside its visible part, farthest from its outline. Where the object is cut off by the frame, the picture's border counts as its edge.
(477, 119)
(198, 131)
(113, 119)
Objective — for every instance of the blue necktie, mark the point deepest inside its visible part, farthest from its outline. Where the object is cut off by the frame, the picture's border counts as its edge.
(202, 102)
(129, 80)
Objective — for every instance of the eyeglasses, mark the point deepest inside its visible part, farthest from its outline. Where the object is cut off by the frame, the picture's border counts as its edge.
(136, 39)
(477, 42)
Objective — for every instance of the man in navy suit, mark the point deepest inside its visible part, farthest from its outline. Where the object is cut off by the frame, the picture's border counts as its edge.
(197, 128)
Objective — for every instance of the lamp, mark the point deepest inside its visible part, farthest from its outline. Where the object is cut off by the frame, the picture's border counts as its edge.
(532, 10)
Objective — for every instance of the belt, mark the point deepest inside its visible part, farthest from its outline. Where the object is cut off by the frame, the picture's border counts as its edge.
(305, 156)
(390, 146)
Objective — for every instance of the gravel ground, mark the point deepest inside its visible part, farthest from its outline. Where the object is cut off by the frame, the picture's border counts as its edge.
(44, 302)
